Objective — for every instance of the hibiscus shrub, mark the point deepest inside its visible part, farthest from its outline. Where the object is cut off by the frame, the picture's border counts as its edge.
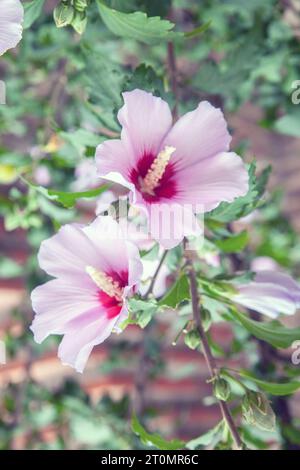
(116, 161)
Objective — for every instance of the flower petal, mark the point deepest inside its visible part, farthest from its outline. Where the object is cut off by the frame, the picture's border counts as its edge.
(57, 302)
(82, 336)
(268, 299)
(135, 266)
(145, 120)
(198, 135)
(68, 252)
(280, 279)
(114, 162)
(11, 18)
(170, 223)
(118, 254)
(222, 177)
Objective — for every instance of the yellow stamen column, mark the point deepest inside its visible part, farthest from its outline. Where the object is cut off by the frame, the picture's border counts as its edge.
(156, 171)
(105, 283)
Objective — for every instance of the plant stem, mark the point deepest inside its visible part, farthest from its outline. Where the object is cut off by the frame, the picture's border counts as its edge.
(150, 289)
(210, 360)
(144, 365)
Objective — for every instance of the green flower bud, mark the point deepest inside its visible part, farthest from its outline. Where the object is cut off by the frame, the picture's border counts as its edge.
(63, 15)
(206, 319)
(79, 22)
(257, 411)
(221, 389)
(80, 5)
(192, 339)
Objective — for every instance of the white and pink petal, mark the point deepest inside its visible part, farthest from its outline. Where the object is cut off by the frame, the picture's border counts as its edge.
(206, 184)
(145, 120)
(80, 338)
(11, 18)
(198, 135)
(58, 302)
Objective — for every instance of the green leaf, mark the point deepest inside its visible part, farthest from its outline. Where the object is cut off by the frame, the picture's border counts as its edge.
(66, 199)
(103, 80)
(273, 333)
(32, 12)
(242, 206)
(198, 31)
(236, 278)
(289, 124)
(137, 25)
(179, 292)
(141, 312)
(81, 138)
(217, 288)
(146, 78)
(59, 214)
(235, 243)
(154, 439)
(70, 199)
(212, 436)
(280, 389)
(226, 77)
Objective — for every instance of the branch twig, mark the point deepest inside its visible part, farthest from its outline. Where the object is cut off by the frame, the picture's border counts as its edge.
(210, 360)
(150, 289)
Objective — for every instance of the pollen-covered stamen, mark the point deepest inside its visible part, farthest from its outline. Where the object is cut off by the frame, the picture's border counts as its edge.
(105, 283)
(156, 171)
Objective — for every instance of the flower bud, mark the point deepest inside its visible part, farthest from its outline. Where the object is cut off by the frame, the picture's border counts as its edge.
(63, 15)
(257, 410)
(206, 319)
(192, 339)
(80, 5)
(221, 389)
(79, 22)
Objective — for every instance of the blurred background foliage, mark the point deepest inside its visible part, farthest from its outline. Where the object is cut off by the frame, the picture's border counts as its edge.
(63, 93)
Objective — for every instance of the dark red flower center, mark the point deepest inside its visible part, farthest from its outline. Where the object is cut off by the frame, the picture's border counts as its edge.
(166, 187)
(111, 304)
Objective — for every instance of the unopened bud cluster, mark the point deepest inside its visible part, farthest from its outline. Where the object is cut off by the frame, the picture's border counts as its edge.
(71, 12)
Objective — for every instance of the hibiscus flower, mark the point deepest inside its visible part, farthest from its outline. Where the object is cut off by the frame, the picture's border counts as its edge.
(172, 171)
(270, 293)
(96, 269)
(11, 18)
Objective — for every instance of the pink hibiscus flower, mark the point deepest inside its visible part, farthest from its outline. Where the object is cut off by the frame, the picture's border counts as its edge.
(270, 293)
(95, 270)
(172, 171)
(11, 18)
